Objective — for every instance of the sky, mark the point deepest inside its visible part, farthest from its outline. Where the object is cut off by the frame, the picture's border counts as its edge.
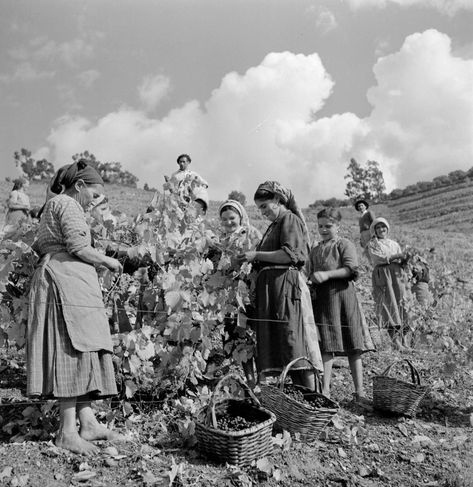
(253, 90)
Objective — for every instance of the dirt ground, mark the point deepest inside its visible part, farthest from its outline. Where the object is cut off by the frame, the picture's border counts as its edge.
(361, 447)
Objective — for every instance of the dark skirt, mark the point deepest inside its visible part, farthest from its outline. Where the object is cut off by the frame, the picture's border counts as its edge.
(390, 294)
(340, 319)
(280, 334)
(54, 368)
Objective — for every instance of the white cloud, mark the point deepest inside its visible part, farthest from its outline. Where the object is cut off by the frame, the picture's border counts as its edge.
(448, 7)
(153, 89)
(262, 125)
(422, 118)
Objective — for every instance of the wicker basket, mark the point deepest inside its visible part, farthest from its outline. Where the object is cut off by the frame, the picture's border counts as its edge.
(235, 447)
(295, 416)
(396, 395)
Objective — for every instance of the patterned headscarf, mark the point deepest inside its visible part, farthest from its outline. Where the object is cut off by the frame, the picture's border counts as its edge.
(238, 207)
(287, 199)
(375, 222)
(67, 175)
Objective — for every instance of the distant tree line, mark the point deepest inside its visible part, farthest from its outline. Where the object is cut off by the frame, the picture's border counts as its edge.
(43, 170)
(453, 177)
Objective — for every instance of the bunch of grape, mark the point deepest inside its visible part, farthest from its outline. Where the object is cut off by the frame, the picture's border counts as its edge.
(234, 423)
(314, 402)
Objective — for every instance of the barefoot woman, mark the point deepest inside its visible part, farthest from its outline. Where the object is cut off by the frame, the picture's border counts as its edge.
(69, 348)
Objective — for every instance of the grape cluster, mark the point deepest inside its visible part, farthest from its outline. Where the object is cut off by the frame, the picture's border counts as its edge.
(313, 401)
(234, 423)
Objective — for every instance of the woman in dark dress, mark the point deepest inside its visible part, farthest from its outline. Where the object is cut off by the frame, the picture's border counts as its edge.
(68, 346)
(285, 327)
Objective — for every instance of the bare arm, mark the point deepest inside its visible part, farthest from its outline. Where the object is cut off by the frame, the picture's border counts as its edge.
(322, 276)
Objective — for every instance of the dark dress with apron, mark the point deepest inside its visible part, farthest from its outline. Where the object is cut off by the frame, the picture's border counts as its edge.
(69, 346)
(285, 327)
(337, 311)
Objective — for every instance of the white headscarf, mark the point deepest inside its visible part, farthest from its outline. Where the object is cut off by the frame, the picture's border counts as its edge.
(375, 222)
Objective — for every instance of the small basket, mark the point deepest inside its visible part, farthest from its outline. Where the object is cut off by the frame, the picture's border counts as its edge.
(295, 416)
(235, 447)
(396, 395)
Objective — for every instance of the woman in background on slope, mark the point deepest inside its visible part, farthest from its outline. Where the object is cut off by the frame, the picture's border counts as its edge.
(364, 222)
(285, 327)
(18, 203)
(69, 347)
(389, 282)
(333, 266)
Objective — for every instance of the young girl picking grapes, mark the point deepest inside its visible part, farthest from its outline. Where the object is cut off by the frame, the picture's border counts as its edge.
(333, 266)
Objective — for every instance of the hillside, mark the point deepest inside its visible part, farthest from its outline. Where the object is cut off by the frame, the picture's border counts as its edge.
(448, 208)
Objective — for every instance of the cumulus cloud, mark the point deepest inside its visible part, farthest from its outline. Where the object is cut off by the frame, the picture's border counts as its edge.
(263, 124)
(448, 7)
(422, 118)
(153, 89)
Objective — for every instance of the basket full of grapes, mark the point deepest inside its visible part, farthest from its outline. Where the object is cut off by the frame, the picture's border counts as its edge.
(297, 408)
(234, 430)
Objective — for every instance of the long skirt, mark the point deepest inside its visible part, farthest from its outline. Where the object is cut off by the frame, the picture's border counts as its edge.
(285, 327)
(390, 297)
(340, 319)
(54, 368)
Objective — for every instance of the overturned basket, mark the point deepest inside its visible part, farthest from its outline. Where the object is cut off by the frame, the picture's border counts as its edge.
(309, 420)
(396, 395)
(235, 447)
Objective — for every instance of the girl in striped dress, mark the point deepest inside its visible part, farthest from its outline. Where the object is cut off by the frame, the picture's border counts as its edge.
(69, 347)
(333, 266)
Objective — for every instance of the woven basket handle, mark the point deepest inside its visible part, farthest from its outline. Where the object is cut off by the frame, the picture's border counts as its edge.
(414, 373)
(282, 377)
(218, 388)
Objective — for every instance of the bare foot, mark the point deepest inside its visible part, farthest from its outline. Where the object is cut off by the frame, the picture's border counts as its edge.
(74, 443)
(92, 432)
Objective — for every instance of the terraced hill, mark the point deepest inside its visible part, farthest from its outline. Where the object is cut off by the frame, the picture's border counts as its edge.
(448, 208)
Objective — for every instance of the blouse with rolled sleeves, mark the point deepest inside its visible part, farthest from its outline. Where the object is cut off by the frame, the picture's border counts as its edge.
(382, 250)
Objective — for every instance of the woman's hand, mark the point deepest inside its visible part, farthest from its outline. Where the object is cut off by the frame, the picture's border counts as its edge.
(113, 264)
(249, 256)
(320, 276)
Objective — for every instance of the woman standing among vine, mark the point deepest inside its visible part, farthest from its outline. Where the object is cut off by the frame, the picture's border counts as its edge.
(18, 203)
(333, 266)
(285, 327)
(389, 282)
(69, 347)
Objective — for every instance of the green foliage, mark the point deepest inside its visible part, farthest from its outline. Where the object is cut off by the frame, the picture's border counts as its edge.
(40, 170)
(237, 196)
(365, 182)
(111, 172)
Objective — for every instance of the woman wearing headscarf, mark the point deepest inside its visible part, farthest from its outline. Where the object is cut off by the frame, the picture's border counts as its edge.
(69, 347)
(236, 227)
(18, 203)
(364, 222)
(389, 282)
(285, 326)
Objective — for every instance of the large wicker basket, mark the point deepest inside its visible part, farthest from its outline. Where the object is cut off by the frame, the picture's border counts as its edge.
(396, 395)
(297, 416)
(235, 447)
